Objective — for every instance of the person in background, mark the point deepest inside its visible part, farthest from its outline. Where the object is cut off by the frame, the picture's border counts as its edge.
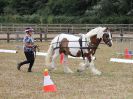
(28, 42)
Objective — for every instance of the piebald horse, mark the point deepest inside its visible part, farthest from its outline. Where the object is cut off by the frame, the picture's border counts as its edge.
(78, 46)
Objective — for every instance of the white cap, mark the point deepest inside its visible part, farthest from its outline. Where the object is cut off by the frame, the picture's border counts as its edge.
(29, 29)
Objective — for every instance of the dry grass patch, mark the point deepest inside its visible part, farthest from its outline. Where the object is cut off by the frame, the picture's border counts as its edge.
(116, 81)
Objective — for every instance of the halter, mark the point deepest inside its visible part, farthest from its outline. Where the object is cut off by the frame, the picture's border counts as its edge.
(107, 40)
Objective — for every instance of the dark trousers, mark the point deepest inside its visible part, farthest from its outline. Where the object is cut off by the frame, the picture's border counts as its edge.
(30, 59)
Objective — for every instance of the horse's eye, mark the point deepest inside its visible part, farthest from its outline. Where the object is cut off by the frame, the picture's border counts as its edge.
(107, 36)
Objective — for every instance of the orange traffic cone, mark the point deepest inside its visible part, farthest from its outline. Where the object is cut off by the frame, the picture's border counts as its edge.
(48, 85)
(127, 55)
(61, 58)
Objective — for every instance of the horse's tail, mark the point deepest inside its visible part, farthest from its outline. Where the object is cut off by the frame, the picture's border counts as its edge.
(48, 56)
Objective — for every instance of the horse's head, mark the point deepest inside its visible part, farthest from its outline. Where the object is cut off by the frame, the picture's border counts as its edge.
(100, 33)
(107, 37)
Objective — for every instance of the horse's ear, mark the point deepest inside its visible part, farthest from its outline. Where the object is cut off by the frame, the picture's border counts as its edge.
(106, 28)
(110, 29)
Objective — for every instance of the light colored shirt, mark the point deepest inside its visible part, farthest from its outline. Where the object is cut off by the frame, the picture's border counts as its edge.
(28, 40)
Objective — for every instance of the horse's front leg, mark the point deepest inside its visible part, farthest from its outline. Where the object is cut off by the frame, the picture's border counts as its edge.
(83, 66)
(65, 64)
(92, 67)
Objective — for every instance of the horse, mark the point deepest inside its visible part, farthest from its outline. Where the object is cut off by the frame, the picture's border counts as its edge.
(84, 46)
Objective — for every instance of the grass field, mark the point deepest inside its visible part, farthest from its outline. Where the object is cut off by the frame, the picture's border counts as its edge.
(116, 81)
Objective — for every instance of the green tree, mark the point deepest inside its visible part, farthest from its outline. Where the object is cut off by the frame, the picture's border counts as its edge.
(125, 6)
(3, 4)
(66, 7)
(25, 7)
(106, 8)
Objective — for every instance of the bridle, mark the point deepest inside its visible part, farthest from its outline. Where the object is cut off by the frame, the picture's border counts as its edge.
(107, 39)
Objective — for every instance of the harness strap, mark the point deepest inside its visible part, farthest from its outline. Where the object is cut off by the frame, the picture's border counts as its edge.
(36, 47)
(57, 41)
(80, 43)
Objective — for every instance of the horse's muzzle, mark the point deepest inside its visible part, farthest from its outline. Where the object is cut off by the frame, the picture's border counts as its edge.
(109, 44)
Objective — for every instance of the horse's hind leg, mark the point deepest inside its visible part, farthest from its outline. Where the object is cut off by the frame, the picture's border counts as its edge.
(55, 55)
(66, 68)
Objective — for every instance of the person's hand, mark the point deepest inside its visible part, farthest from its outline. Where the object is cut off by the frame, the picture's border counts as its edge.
(36, 47)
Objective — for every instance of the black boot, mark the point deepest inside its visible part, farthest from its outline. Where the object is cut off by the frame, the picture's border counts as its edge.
(30, 65)
(22, 63)
(18, 66)
(29, 70)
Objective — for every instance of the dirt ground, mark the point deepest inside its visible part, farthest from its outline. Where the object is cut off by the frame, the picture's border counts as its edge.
(116, 81)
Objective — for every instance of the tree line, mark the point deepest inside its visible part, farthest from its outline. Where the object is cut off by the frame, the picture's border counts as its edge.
(66, 11)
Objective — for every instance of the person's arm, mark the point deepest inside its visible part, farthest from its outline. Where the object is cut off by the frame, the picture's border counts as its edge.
(28, 44)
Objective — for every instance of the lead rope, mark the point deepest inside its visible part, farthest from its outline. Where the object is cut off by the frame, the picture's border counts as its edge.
(35, 49)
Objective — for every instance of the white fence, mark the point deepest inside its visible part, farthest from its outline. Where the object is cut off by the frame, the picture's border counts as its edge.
(48, 31)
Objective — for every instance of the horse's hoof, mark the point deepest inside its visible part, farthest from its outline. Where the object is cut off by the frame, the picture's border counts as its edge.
(98, 73)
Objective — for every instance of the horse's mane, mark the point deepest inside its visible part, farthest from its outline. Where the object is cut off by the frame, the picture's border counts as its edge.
(96, 31)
